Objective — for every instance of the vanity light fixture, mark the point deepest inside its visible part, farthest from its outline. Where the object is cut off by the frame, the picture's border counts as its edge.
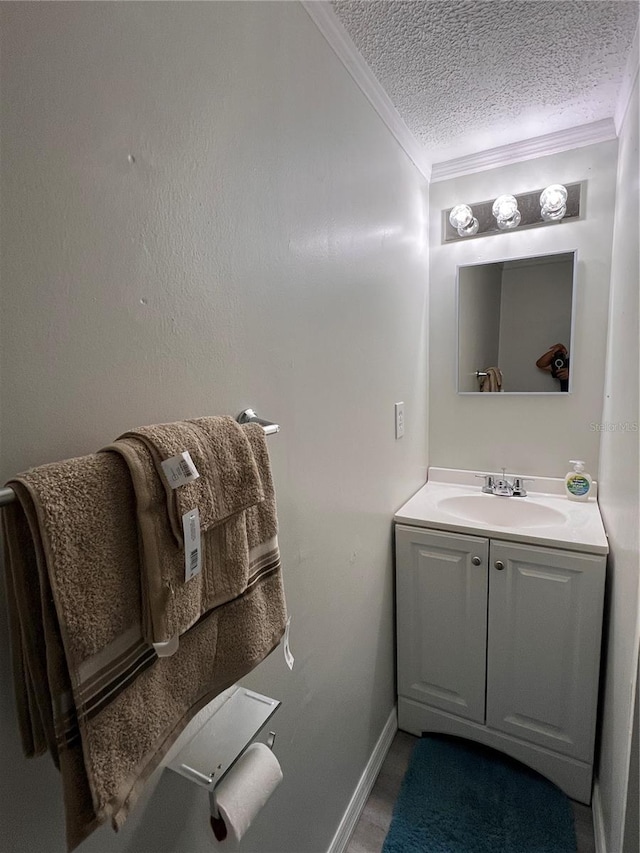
(503, 214)
(505, 210)
(553, 203)
(463, 220)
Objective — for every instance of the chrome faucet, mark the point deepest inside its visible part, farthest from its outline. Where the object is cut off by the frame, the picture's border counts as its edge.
(501, 486)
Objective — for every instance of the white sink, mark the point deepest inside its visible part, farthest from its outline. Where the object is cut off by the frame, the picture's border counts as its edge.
(501, 511)
(452, 501)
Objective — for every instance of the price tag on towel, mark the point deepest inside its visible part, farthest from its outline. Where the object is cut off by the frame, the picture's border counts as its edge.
(180, 470)
(192, 550)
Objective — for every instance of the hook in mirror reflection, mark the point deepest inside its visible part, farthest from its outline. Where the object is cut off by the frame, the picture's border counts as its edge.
(515, 325)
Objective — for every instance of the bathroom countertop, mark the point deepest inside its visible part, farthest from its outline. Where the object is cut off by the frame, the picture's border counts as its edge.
(554, 520)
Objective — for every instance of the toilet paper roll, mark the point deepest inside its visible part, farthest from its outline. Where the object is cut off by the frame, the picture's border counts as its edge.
(244, 791)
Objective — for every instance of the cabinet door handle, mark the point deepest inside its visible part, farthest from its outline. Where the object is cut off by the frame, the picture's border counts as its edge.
(499, 565)
(476, 561)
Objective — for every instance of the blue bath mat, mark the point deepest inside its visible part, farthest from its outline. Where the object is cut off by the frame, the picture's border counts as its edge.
(459, 797)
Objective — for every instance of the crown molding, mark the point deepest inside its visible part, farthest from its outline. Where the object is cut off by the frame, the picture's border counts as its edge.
(628, 81)
(323, 16)
(528, 149)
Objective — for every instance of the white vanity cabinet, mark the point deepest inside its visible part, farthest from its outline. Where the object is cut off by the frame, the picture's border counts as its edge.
(499, 641)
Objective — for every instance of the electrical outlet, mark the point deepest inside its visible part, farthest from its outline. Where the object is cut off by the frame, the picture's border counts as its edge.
(399, 420)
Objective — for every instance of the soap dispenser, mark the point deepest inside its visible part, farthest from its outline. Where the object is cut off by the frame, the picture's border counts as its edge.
(577, 483)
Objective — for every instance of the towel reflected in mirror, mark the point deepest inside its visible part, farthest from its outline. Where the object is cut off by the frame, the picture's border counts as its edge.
(492, 380)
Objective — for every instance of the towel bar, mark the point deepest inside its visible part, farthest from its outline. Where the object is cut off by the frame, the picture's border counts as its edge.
(480, 374)
(250, 417)
(7, 495)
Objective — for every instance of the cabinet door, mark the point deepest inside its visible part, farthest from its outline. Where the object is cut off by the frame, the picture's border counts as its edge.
(545, 619)
(442, 619)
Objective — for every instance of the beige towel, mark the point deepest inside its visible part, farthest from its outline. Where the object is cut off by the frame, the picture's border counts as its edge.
(234, 554)
(229, 480)
(492, 382)
(87, 686)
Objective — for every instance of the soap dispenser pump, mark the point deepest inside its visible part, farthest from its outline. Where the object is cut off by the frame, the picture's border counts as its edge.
(577, 483)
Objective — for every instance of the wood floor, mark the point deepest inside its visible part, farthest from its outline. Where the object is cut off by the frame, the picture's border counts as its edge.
(372, 828)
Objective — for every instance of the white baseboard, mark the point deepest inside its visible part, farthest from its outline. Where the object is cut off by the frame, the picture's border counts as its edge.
(364, 786)
(598, 819)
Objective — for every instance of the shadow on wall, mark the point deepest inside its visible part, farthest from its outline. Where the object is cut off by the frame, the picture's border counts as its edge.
(175, 800)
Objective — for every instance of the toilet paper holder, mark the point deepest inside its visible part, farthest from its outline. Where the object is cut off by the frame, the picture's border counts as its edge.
(211, 782)
(215, 748)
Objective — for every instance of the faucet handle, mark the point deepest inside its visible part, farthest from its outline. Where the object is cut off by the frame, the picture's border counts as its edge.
(518, 486)
(489, 482)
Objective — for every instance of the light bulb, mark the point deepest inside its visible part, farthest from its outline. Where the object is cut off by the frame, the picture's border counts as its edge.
(505, 210)
(553, 203)
(463, 220)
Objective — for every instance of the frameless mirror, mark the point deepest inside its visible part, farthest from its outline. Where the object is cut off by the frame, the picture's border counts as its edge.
(515, 325)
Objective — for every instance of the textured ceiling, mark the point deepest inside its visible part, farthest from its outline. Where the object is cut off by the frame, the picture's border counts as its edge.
(468, 76)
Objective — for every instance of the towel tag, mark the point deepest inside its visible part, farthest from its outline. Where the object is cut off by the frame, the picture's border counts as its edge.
(179, 470)
(192, 550)
(287, 651)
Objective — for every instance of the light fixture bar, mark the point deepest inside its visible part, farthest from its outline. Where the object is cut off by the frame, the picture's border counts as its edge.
(528, 207)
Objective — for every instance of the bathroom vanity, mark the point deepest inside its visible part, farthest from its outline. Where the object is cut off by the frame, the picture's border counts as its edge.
(499, 620)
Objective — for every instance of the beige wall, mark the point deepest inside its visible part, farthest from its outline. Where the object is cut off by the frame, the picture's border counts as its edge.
(202, 212)
(618, 492)
(535, 314)
(479, 291)
(526, 434)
